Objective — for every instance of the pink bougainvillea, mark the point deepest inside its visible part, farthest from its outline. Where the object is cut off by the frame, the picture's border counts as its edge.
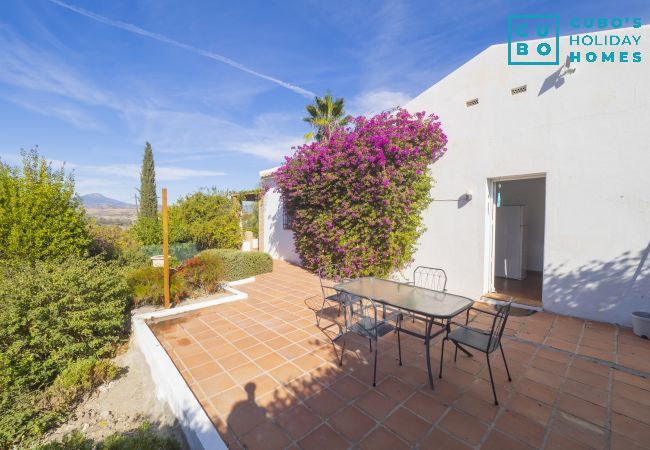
(356, 199)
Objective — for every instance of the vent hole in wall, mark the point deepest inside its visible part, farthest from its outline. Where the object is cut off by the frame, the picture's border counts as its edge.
(472, 102)
(519, 90)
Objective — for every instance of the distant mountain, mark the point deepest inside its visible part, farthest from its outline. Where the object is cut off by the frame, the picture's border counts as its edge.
(101, 201)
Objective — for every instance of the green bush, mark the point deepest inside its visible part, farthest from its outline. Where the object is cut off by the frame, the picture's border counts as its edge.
(210, 218)
(77, 379)
(112, 242)
(180, 251)
(41, 217)
(141, 439)
(146, 284)
(203, 273)
(239, 265)
(147, 230)
(53, 315)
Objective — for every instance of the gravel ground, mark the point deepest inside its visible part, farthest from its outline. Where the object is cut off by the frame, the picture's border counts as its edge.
(123, 405)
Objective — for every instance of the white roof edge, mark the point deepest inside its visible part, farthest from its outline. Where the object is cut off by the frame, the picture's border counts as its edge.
(268, 172)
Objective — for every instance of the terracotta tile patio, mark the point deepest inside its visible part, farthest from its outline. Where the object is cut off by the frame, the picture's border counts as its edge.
(268, 378)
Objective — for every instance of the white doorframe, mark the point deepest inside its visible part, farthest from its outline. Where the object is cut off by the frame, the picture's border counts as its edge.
(490, 224)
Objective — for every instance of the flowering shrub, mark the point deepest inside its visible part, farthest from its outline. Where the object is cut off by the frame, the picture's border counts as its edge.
(203, 273)
(357, 198)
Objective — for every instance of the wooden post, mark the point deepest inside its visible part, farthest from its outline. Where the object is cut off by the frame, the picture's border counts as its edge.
(165, 227)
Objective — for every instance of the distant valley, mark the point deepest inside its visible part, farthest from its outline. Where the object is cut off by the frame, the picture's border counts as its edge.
(108, 211)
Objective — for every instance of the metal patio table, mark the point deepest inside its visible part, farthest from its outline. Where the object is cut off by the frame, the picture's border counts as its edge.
(435, 307)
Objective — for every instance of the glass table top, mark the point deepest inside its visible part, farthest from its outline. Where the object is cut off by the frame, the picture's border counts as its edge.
(406, 296)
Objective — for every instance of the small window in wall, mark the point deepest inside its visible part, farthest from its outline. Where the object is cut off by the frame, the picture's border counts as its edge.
(287, 219)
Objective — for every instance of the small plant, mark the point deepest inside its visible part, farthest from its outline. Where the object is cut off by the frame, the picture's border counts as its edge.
(147, 283)
(79, 378)
(203, 273)
(141, 439)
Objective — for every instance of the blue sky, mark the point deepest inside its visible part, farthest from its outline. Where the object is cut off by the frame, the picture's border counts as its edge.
(217, 87)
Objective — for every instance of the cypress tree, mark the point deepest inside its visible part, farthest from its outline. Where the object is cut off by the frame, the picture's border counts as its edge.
(148, 196)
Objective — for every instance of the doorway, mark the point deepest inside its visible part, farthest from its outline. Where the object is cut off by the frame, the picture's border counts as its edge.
(518, 222)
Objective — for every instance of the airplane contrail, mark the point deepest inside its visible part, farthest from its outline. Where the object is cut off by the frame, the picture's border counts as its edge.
(159, 37)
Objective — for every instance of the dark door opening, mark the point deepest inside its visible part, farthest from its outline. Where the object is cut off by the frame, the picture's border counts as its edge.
(519, 240)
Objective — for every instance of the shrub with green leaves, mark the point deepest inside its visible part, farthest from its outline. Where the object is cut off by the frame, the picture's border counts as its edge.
(41, 217)
(147, 230)
(112, 242)
(239, 265)
(204, 273)
(53, 315)
(147, 285)
(142, 439)
(209, 218)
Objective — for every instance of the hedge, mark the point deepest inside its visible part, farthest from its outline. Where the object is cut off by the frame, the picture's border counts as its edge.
(52, 316)
(180, 251)
(239, 265)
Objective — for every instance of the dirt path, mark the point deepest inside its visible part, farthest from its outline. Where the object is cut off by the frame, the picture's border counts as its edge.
(123, 405)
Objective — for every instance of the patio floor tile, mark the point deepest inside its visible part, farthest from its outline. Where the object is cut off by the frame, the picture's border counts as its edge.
(298, 421)
(382, 439)
(464, 426)
(323, 437)
(407, 425)
(269, 378)
(352, 423)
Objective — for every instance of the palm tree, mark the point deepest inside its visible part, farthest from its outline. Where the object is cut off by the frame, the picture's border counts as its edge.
(325, 114)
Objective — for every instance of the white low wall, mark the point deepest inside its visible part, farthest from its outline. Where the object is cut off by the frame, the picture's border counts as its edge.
(171, 388)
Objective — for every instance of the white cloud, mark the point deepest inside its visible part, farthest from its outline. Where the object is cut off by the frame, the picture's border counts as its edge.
(373, 102)
(74, 115)
(171, 130)
(132, 171)
(164, 39)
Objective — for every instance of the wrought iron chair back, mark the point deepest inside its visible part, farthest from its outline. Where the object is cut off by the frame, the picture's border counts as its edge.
(329, 276)
(430, 278)
(498, 326)
(365, 321)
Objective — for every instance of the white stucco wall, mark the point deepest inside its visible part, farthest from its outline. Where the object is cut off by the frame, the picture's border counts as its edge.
(589, 133)
(278, 242)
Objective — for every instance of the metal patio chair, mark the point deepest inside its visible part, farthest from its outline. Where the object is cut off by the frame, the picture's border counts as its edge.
(364, 320)
(429, 278)
(329, 277)
(482, 340)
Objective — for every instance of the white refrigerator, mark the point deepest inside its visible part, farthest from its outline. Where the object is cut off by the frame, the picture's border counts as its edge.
(511, 242)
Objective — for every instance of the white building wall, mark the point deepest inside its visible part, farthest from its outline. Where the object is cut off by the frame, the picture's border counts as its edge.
(278, 242)
(589, 133)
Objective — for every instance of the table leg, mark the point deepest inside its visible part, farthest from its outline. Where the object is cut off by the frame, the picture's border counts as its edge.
(427, 342)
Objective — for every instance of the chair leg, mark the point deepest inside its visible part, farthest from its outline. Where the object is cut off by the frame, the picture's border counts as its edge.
(494, 391)
(374, 376)
(456, 353)
(442, 355)
(504, 362)
(342, 351)
(370, 342)
(399, 346)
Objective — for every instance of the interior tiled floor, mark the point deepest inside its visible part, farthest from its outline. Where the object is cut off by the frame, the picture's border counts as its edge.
(530, 288)
(268, 378)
